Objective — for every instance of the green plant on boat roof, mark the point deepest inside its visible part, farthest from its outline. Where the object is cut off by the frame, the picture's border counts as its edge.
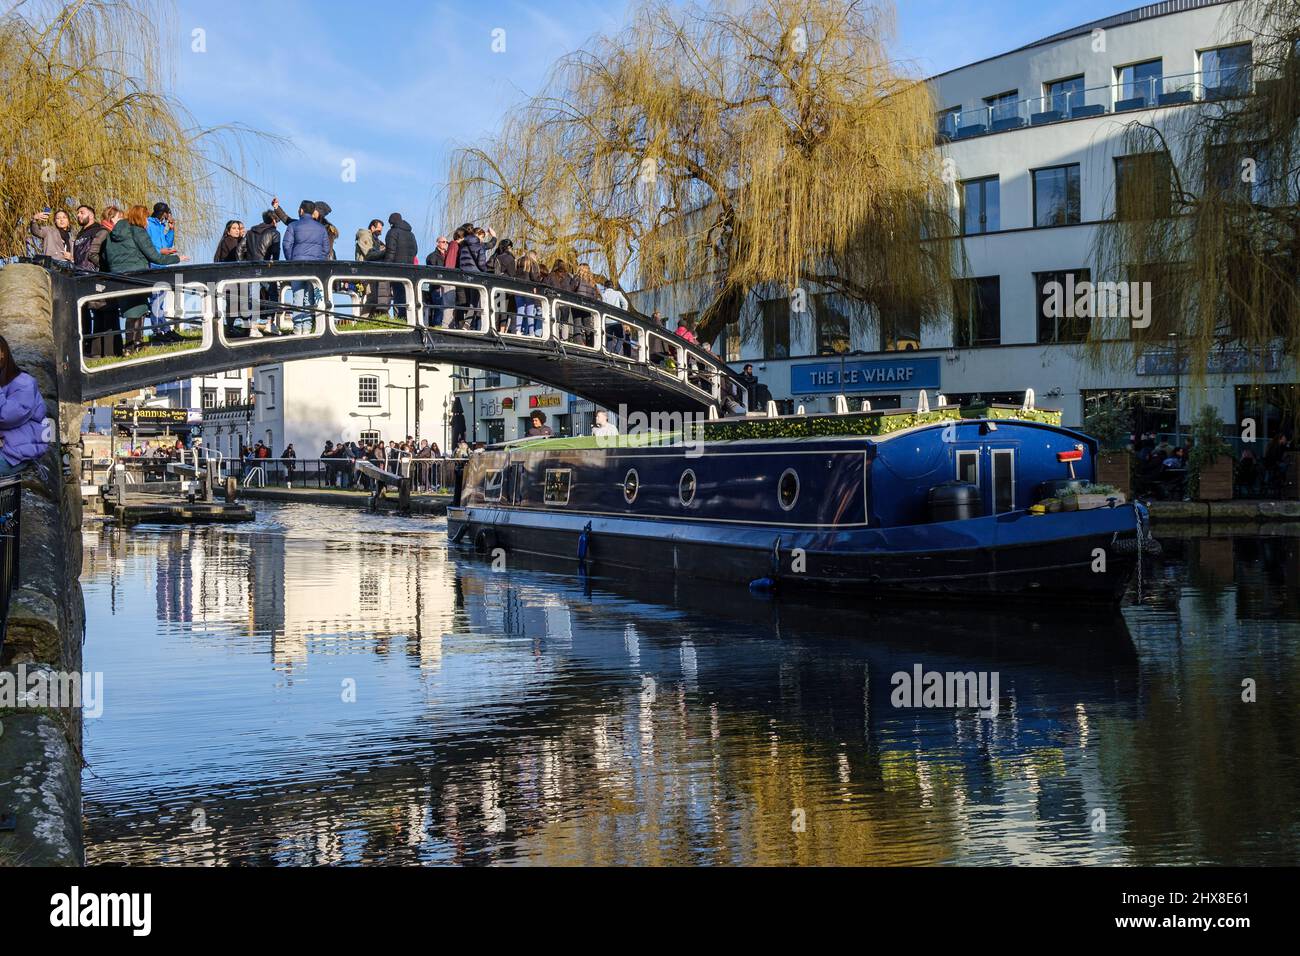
(825, 426)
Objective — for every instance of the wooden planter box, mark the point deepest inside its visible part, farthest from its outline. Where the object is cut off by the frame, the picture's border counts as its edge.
(1116, 468)
(1089, 502)
(1216, 480)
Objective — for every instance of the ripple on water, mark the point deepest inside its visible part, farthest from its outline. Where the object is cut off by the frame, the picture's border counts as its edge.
(324, 685)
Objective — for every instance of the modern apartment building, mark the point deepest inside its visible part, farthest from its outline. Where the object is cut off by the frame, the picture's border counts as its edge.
(1035, 155)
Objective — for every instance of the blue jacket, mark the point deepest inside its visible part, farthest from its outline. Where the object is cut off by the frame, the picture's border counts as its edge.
(163, 236)
(22, 420)
(305, 239)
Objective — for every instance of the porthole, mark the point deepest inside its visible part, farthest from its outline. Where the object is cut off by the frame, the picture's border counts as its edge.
(787, 489)
(631, 485)
(686, 487)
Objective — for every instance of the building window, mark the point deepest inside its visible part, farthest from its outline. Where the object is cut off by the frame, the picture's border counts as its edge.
(368, 437)
(1143, 186)
(490, 380)
(1226, 71)
(832, 324)
(775, 315)
(728, 343)
(234, 396)
(1152, 410)
(1061, 315)
(1239, 172)
(1056, 196)
(900, 328)
(270, 391)
(1003, 106)
(1139, 84)
(1061, 96)
(980, 206)
(233, 373)
(977, 312)
(208, 397)
(368, 390)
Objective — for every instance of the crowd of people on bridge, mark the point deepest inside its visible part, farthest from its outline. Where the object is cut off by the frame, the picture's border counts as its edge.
(110, 240)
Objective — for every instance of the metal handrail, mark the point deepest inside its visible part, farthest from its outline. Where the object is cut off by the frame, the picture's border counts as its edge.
(11, 506)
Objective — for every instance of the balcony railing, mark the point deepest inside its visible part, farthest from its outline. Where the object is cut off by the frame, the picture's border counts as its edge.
(1150, 92)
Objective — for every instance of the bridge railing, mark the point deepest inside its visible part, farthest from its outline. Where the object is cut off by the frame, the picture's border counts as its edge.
(11, 506)
(192, 308)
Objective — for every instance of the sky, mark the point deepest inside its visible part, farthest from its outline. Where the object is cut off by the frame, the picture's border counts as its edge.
(388, 90)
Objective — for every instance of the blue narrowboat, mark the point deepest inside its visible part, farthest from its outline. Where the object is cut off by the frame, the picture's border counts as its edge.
(942, 505)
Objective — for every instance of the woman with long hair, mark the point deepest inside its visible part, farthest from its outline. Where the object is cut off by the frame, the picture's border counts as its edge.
(56, 236)
(22, 415)
(232, 247)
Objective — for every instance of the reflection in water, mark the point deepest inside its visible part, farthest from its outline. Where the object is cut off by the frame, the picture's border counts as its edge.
(330, 687)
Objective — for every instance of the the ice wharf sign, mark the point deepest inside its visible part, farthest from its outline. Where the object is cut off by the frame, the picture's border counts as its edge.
(865, 375)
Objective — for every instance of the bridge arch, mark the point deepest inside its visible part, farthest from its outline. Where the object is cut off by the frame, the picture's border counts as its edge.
(587, 347)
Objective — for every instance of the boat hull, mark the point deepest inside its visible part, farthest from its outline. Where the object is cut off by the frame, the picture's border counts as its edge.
(1088, 555)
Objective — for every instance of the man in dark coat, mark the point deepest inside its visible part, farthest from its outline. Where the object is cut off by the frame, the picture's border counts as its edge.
(264, 240)
(399, 248)
(750, 381)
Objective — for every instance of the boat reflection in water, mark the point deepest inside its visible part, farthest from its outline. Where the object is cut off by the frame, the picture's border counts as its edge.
(540, 717)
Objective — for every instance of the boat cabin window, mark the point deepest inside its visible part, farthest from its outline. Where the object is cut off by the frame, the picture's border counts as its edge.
(787, 489)
(631, 485)
(1004, 480)
(968, 466)
(492, 486)
(686, 487)
(556, 487)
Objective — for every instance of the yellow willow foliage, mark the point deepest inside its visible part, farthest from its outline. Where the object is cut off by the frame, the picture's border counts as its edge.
(84, 118)
(753, 148)
(1206, 211)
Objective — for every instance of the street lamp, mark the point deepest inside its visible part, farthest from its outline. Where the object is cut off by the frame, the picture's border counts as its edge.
(406, 406)
(473, 398)
(370, 423)
(1178, 373)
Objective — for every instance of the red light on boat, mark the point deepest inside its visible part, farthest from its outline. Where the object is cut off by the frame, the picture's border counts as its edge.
(1075, 455)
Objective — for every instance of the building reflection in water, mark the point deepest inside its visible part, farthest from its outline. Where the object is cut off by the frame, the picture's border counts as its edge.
(537, 717)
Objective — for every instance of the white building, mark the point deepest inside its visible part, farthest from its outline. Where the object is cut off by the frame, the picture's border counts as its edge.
(1033, 140)
(343, 398)
(203, 393)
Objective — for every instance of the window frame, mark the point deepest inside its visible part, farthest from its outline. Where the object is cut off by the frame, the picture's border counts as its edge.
(982, 182)
(568, 486)
(973, 342)
(362, 381)
(994, 455)
(1078, 194)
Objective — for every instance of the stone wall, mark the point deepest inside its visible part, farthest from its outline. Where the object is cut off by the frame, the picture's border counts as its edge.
(40, 748)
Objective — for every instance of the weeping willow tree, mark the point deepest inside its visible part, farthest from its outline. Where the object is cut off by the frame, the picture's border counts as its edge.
(1207, 214)
(84, 117)
(776, 145)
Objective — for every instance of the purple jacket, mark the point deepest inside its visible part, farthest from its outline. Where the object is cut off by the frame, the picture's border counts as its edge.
(22, 420)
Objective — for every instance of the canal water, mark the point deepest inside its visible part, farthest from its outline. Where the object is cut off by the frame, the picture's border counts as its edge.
(328, 687)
